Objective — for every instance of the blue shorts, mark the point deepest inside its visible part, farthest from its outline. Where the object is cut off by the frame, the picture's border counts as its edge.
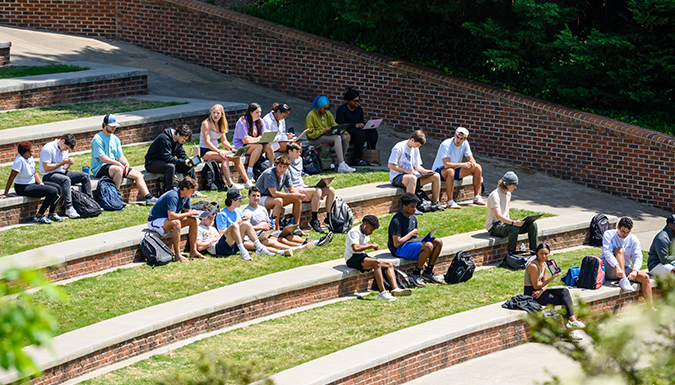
(438, 170)
(222, 248)
(409, 250)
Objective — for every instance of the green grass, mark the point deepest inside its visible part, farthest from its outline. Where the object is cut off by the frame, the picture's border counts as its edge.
(292, 340)
(29, 117)
(96, 299)
(18, 71)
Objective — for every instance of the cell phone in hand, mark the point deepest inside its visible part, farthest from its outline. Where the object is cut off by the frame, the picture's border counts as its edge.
(552, 266)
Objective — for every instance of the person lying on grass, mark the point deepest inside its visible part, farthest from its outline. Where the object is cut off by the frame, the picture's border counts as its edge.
(357, 242)
(234, 225)
(172, 212)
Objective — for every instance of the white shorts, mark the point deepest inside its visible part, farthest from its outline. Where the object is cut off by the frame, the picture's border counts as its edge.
(156, 226)
(263, 198)
(662, 270)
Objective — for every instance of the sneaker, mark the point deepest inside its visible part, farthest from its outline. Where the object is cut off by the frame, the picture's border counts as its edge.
(55, 217)
(417, 280)
(575, 335)
(431, 278)
(251, 178)
(417, 212)
(71, 213)
(198, 194)
(344, 167)
(326, 239)
(625, 285)
(286, 253)
(360, 163)
(151, 201)
(575, 324)
(245, 255)
(453, 205)
(249, 183)
(305, 246)
(386, 296)
(437, 206)
(398, 292)
(478, 200)
(263, 251)
(316, 226)
(42, 219)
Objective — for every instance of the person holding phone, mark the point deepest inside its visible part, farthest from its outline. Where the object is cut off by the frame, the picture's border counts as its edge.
(536, 285)
(352, 114)
(247, 132)
(319, 123)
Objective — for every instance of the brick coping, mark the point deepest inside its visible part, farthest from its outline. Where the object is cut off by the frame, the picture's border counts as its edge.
(73, 346)
(195, 107)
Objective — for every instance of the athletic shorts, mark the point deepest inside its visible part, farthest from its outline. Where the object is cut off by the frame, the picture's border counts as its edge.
(610, 272)
(203, 151)
(104, 171)
(356, 261)
(438, 170)
(303, 190)
(156, 226)
(662, 270)
(409, 250)
(222, 248)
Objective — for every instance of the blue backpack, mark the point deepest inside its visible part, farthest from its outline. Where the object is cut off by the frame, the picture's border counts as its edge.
(570, 278)
(109, 196)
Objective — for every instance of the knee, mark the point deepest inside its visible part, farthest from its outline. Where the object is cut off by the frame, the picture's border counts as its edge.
(176, 223)
(409, 179)
(385, 264)
(479, 168)
(618, 251)
(437, 242)
(449, 174)
(428, 246)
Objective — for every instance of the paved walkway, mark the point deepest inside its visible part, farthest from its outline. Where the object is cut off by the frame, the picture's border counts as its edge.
(172, 77)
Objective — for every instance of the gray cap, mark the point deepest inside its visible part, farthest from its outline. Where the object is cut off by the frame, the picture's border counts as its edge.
(510, 178)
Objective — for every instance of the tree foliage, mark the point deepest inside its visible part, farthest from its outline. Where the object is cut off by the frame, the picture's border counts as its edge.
(212, 370)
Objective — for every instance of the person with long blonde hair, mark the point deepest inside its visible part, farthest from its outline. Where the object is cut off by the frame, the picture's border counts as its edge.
(214, 128)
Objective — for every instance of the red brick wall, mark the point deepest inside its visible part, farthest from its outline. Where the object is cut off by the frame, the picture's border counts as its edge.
(4, 56)
(73, 93)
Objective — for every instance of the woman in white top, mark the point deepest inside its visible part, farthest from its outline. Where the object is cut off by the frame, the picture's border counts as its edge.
(27, 183)
(214, 128)
(276, 121)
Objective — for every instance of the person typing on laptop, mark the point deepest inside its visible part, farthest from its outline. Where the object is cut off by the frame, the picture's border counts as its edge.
(247, 132)
(351, 113)
(319, 123)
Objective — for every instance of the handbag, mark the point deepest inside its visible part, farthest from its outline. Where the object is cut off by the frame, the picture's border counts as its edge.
(371, 156)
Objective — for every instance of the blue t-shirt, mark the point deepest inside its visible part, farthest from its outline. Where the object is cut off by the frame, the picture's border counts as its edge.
(104, 145)
(170, 201)
(226, 217)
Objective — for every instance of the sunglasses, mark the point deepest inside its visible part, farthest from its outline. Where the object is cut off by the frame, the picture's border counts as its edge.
(356, 100)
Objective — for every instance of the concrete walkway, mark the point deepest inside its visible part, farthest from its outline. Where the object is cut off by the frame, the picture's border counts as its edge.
(171, 77)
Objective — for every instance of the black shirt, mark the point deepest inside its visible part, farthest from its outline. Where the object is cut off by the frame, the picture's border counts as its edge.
(345, 115)
(401, 226)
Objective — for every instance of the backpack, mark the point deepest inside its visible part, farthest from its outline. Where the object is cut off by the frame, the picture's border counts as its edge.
(518, 259)
(85, 205)
(591, 274)
(109, 196)
(599, 224)
(310, 161)
(341, 217)
(261, 165)
(424, 202)
(570, 278)
(156, 253)
(211, 177)
(403, 281)
(461, 269)
(203, 205)
(325, 157)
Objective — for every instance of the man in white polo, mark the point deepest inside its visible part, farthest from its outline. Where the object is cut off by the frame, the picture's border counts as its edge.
(449, 165)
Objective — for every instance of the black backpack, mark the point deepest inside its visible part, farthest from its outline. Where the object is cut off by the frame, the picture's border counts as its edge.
(85, 205)
(591, 275)
(109, 196)
(211, 177)
(260, 166)
(403, 281)
(518, 259)
(156, 253)
(310, 161)
(341, 218)
(599, 224)
(461, 269)
(423, 201)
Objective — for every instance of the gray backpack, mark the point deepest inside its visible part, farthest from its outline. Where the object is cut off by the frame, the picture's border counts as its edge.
(341, 218)
(156, 253)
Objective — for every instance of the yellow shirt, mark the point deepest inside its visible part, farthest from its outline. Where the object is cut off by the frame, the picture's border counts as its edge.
(317, 124)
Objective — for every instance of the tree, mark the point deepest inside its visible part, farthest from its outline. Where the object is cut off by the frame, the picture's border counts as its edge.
(215, 371)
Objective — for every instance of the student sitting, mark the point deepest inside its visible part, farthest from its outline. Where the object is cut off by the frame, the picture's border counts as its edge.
(272, 183)
(214, 128)
(661, 258)
(166, 155)
(172, 212)
(351, 113)
(275, 121)
(247, 132)
(319, 123)
(310, 194)
(403, 228)
(406, 171)
(357, 243)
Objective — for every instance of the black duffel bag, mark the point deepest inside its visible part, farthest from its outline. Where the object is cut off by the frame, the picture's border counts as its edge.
(518, 259)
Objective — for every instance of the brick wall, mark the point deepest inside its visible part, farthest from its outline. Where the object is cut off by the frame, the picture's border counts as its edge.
(563, 142)
(4, 56)
(73, 93)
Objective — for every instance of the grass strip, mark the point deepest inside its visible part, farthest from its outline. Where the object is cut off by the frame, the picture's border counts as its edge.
(18, 71)
(289, 341)
(106, 296)
(32, 116)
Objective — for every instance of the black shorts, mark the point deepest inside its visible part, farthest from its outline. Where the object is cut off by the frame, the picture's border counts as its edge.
(356, 261)
(103, 171)
(398, 182)
(203, 151)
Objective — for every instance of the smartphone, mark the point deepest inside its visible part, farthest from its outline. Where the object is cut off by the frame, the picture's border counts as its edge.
(552, 266)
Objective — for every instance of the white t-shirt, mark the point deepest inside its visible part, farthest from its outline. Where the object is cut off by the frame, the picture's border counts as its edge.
(51, 153)
(208, 234)
(449, 150)
(258, 215)
(631, 246)
(499, 199)
(295, 170)
(270, 124)
(25, 168)
(354, 237)
(405, 157)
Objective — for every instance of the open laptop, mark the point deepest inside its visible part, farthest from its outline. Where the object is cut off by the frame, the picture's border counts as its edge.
(426, 238)
(206, 214)
(240, 152)
(268, 137)
(339, 129)
(531, 218)
(372, 123)
(324, 182)
(288, 230)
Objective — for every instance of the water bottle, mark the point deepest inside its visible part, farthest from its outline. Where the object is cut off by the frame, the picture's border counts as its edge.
(522, 247)
(272, 222)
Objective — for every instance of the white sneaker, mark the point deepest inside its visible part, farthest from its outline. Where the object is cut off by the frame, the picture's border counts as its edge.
(198, 194)
(453, 205)
(575, 335)
(386, 296)
(251, 177)
(248, 184)
(575, 324)
(344, 168)
(625, 285)
(478, 200)
(264, 251)
(398, 292)
(72, 213)
(245, 255)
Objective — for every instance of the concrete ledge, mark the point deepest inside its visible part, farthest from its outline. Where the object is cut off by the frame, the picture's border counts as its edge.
(4, 52)
(112, 340)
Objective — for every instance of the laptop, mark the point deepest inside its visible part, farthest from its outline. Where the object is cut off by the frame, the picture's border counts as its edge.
(206, 214)
(426, 238)
(268, 137)
(299, 136)
(324, 182)
(240, 152)
(339, 129)
(531, 218)
(288, 230)
(372, 123)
